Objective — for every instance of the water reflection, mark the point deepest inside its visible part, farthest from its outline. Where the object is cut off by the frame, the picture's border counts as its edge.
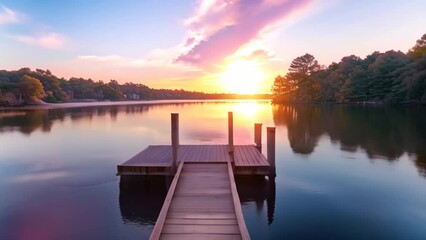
(29, 120)
(382, 132)
(57, 168)
(141, 198)
(257, 190)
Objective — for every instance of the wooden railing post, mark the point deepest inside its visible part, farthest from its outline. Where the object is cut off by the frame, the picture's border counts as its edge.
(270, 134)
(175, 141)
(258, 136)
(230, 133)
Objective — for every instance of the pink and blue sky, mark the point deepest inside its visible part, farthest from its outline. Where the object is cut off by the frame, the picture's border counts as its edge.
(206, 45)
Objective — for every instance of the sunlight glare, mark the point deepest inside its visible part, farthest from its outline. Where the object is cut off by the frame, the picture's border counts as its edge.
(243, 77)
(247, 109)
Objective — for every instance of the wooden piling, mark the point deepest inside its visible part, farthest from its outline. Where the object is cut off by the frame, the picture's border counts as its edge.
(258, 136)
(230, 132)
(270, 134)
(175, 140)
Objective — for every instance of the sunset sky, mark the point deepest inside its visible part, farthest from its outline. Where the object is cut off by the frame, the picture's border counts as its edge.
(211, 46)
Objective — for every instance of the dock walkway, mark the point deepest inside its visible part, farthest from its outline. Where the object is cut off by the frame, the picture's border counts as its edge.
(202, 203)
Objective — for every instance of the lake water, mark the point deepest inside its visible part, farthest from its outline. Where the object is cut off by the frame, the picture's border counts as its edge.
(343, 172)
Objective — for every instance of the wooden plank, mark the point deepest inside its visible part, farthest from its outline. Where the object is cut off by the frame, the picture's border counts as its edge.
(201, 207)
(196, 150)
(249, 158)
(201, 210)
(152, 154)
(203, 192)
(162, 216)
(193, 202)
(248, 155)
(183, 153)
(205, 166)
(201, 221)
(201, 236)
(201, 215)
(215, 229)
(237, 205)
(237, 156)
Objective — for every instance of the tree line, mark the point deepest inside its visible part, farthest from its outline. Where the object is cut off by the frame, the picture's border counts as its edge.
(25, 86)
(391, 77)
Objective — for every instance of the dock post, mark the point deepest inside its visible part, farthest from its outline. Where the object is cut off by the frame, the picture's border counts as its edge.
(270, 134)
(175, 141)
(231, 133)
(258, 136)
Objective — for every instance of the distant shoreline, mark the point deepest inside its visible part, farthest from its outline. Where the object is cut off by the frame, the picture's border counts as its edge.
(125, 103)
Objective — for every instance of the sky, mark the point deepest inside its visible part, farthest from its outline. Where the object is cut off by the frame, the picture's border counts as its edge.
(206, 45)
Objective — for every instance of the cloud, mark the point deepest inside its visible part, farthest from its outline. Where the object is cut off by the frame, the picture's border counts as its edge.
(222, 27)
(8, 16)
(260, 55)
(49, 40)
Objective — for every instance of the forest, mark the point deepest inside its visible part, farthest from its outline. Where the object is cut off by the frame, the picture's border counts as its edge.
(392, 77)
(25, 86)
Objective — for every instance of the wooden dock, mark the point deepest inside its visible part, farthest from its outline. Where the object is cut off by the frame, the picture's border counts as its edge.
(157, 159)
(202, 201)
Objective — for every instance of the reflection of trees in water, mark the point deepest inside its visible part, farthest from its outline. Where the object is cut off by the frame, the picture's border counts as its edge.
(26, 121)
(385, 132)
(257, 189)
(29, 120)
(141, 198)
(302, 125)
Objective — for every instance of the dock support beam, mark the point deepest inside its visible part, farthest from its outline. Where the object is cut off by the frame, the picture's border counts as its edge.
(175, 141)
(231, 133)
(270, 134)
(258, 136)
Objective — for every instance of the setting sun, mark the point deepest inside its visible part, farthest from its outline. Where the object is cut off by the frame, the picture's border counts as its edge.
(243, 77)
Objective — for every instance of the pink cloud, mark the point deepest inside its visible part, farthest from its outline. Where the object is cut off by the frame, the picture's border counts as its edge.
(189, 41)
(225, 26)
(49, 40)
(260, 55)
(8, 16)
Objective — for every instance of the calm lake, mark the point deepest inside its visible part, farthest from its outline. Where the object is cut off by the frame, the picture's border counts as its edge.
(343, 172)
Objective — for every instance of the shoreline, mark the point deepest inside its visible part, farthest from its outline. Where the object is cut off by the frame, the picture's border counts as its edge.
(124, 103)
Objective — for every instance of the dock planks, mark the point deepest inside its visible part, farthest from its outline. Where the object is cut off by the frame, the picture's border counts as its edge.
(202, 203)
(157, 159)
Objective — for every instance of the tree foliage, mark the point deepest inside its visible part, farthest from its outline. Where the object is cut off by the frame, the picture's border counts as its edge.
(390, 77)
(419, 49)
(31, 88)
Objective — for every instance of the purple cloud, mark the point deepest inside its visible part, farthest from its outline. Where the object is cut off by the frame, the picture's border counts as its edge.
(224, 26)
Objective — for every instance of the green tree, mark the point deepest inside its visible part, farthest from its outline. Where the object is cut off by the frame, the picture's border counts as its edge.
(419, 49)
(305, 65)
(32, 89)
(383, 75)
(301, 68)
(283, 88)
